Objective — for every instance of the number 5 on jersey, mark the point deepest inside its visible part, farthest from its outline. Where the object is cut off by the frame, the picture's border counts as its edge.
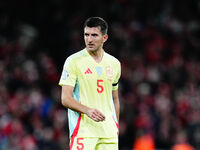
(80, 144)
(100, 86)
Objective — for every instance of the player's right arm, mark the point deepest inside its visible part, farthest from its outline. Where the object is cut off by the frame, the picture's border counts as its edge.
(69, 102)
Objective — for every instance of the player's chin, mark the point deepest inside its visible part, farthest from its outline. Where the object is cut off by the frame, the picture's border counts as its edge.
(92, 49)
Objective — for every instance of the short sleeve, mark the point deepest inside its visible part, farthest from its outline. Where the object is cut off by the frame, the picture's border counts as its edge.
(116, 80)
(68, 76)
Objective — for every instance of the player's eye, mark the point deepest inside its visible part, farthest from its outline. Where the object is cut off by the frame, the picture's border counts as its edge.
(86, 34)
(94, 35)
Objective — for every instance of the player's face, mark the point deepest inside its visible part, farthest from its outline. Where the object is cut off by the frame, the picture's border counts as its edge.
(94, 39)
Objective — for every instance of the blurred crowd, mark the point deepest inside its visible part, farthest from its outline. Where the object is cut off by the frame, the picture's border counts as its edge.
(157, 42)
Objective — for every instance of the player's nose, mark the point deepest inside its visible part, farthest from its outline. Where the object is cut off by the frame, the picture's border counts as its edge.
(90, 39)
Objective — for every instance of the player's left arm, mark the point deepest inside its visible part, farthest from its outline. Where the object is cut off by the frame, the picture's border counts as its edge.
(116, 102)
(115, 85)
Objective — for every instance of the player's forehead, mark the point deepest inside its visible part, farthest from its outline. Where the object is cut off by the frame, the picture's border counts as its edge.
(92, 30)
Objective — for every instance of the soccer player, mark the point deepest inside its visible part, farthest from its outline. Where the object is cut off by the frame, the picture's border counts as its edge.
(90, 91)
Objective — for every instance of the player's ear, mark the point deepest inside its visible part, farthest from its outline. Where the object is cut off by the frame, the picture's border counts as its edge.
(105, 37)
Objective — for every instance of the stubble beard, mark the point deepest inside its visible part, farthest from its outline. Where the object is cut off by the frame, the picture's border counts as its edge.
(92, 49)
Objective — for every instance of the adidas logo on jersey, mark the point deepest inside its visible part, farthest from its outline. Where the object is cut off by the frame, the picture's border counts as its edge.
(88, 71)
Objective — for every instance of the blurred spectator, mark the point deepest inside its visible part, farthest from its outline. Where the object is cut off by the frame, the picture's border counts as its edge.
(144, 141)
(181, 142)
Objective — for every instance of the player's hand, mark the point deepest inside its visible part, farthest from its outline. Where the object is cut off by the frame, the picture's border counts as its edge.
(95, 115)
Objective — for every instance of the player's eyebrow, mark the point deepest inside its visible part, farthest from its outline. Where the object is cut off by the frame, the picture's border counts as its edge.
(93, 34)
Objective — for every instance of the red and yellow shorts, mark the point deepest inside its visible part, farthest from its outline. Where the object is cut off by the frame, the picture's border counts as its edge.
(87, 143)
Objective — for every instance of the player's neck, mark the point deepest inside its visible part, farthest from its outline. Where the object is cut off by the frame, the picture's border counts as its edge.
(97, 55)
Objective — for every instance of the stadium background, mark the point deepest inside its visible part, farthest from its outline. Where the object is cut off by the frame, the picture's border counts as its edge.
(157, 42)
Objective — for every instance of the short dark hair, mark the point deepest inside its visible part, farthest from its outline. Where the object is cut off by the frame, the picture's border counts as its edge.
(97, 22)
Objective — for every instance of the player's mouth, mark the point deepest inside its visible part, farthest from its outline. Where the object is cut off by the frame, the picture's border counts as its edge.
(90, 45)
